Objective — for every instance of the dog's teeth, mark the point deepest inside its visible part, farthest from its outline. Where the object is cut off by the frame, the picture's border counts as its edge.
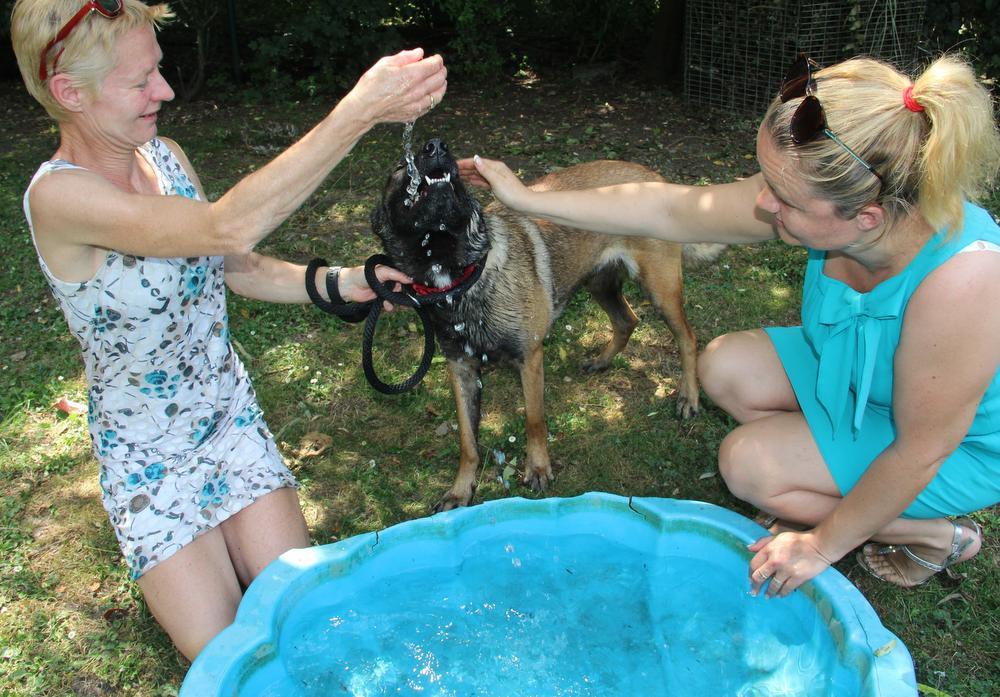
(447, 177)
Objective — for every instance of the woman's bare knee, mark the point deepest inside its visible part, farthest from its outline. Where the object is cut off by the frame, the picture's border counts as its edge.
(742, 374)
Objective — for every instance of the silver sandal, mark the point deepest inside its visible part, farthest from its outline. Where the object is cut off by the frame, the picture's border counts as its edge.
(958, 548)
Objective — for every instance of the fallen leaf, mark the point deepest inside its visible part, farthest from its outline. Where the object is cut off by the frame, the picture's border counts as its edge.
(951, 596)
(19, 356)
(706, 475)
(115, 614)
(314, 443)
(70, 407)
(883, 650)
(442, 430)
(94, 587)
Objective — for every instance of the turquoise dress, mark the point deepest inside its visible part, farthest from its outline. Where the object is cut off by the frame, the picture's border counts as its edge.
(840, 364)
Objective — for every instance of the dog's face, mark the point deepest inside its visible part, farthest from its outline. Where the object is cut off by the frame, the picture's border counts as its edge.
(435, 232)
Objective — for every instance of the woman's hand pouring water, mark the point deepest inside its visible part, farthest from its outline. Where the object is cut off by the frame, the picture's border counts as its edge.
(401, 87)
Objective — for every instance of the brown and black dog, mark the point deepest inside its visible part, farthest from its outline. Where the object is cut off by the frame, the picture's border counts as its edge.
(530, 269)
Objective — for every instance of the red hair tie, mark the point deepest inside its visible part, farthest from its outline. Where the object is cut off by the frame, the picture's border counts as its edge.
(909, 101)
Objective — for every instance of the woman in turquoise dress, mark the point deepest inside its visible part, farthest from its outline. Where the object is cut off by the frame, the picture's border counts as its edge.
(876, 423)
(139, 262)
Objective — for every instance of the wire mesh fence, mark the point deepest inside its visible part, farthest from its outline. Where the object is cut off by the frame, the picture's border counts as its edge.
(737, 51)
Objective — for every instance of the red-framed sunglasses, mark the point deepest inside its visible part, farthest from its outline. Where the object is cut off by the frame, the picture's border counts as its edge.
(809, 120)
(106, 8)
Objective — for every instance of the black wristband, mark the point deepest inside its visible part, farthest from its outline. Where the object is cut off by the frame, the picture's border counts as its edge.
(332, 286)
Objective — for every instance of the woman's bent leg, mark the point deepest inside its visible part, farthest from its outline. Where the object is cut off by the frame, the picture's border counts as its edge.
(741, 373)
(774, 464)
(194, 593)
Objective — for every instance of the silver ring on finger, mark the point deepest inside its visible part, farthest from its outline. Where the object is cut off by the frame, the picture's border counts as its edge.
(759, 573)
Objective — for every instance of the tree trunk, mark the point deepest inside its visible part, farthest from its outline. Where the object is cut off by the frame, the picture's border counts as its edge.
(665, 51)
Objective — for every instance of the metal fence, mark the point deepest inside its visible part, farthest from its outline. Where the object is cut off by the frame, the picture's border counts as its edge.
(737, 51)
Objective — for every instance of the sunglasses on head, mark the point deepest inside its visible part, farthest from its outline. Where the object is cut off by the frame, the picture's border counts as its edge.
(809, 120)
(106, 8)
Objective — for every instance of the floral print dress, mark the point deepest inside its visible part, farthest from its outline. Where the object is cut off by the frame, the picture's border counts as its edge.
(174, 420)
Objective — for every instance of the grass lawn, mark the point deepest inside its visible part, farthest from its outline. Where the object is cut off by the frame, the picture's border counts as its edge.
(70, 620)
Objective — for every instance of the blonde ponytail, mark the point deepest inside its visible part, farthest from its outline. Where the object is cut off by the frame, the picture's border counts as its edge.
(961, 154)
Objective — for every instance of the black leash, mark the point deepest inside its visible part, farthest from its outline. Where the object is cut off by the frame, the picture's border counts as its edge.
(370, 312)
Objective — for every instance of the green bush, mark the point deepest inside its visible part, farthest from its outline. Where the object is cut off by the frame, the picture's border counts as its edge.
(969, 26)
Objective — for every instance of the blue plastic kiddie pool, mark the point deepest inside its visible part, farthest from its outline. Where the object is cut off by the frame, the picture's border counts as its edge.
(595, 595)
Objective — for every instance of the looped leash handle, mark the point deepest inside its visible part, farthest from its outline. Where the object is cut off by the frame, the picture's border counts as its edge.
(347, 311)
(367, 363)
(384, 292)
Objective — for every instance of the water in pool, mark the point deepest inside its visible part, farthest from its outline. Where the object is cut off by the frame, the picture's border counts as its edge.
(560, 616)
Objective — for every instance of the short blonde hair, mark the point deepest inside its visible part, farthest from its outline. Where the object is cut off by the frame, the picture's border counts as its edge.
(88, 53)
(930, 160)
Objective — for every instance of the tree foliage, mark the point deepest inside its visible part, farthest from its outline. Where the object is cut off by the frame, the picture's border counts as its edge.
(305, 47)
(969, 26)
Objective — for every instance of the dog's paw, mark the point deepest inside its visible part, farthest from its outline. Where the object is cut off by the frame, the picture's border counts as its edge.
(595, 365)
(686, 408)
(538, 479)
(453, 500)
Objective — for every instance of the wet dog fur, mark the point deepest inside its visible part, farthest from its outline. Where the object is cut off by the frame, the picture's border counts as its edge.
(531, 269)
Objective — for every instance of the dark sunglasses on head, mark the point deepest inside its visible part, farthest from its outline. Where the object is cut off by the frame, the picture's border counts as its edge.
(809, 120)
(105, 8)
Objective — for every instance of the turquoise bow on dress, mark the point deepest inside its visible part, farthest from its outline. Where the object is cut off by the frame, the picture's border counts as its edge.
(855, 323)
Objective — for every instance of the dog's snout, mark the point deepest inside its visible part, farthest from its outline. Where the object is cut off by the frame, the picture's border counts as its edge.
(435, 148)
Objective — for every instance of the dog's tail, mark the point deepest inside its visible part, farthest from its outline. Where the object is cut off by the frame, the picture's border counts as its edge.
(702, 253)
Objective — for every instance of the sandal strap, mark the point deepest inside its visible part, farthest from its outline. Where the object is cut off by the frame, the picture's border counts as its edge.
(958, 546)
(920, 560)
